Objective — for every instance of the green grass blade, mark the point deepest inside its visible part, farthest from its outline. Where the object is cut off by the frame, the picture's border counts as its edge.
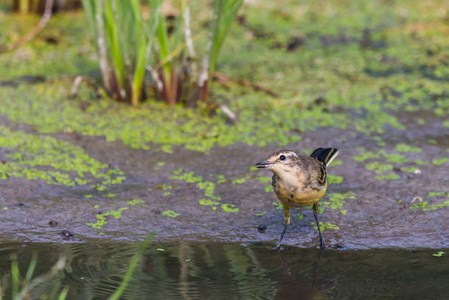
(90, 11)
(101, 43)
(115, 47)
(177, 34)
(31, 269)
(24, 6)
(131, 267)
(162, 38)
(225, 12)
(15, 276)
(144, 46)
(64, 293)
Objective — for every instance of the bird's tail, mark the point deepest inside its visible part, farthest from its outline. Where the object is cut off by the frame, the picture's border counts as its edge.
(325, 155)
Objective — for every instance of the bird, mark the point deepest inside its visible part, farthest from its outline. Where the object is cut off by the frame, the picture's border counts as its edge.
(299, 181)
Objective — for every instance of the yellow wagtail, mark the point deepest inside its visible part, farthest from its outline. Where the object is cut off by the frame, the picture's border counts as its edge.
(299, 181)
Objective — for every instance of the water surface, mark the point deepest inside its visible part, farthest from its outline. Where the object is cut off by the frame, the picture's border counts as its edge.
(233, 271)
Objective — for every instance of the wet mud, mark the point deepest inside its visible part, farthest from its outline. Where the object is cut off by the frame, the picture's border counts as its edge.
(377, 215)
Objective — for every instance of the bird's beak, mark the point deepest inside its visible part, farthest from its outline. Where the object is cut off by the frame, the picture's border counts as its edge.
(264, 164)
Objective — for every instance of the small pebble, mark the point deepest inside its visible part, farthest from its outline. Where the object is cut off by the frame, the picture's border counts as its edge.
(66, 235)
(262, 228)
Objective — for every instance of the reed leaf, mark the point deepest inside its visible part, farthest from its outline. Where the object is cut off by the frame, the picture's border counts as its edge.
(131, 267)
(224, 13)
(164, 51)
(114, 45)
(31, 269)
(144, 49)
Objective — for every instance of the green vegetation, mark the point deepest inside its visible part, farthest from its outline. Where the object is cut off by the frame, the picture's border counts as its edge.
(379, 167)
(387, 176)
(28, 287)
(353, 82)
(54, 161)
(26, 6)
(136, 201)
(208, 187)
(117, 214)
(21, 287)
(336, 201)
(241, 180)
(426, 206)
(407, 148)
(124, 39)
(277, 205)
(409, 169)
(378, 159)
(164, 187)
(440, 161)
(324, 226)
(207, 202)
(229, 207)
(170, 213)
(334, 179)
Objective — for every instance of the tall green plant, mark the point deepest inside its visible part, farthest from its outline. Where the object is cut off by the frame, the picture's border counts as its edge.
(124, 41)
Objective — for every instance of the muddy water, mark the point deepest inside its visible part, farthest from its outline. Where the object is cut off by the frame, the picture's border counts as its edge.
(233, 271)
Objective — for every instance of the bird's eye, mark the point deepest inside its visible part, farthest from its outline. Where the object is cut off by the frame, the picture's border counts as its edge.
(282, 157)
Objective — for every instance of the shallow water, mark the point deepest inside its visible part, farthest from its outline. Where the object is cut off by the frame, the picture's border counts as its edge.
(233, 271)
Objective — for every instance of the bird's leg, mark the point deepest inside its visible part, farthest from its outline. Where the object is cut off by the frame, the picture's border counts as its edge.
(287, 223)
(315, 214)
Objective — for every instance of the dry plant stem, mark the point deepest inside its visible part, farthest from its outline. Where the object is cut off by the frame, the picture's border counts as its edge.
(189, 42)
(42, 23)
(224, 79)
(229, 113)
(203, 79)
(102, 48)
(77, 83)
(157, 79)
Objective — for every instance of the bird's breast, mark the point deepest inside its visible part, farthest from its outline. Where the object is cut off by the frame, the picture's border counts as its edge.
(298, 195)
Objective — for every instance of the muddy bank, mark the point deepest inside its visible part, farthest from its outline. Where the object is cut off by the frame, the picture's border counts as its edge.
(223, 200)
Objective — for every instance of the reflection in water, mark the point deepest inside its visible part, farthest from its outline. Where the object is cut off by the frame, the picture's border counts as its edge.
(230, 271)
(294, 288)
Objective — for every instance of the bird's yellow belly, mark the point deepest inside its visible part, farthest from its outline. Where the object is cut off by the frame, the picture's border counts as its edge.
(300, 198)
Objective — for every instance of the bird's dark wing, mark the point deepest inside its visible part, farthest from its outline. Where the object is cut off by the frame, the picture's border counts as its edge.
(322, 174)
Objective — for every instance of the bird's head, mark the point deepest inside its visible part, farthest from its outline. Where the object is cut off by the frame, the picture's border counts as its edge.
(279, 162)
